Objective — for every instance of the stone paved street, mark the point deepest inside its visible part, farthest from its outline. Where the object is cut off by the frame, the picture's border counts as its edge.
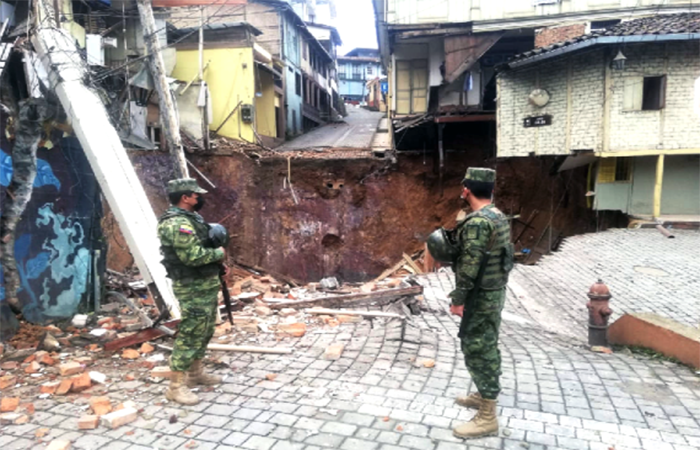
(378, 395)
(356, 131)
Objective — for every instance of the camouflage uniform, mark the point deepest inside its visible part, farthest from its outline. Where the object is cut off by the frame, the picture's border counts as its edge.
(194, 268)
(484, 230)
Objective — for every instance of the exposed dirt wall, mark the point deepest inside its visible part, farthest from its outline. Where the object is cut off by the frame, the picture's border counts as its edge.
(354, 217)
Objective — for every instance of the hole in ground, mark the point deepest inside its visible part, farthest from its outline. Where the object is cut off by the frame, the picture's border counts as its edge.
(332, 241)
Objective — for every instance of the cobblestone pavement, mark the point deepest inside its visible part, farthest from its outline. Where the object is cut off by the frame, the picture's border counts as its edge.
(379, 395)
(645, 271)
(356, 131)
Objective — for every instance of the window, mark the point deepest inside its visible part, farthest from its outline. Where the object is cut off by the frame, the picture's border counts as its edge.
(611, 170)
(645, 93)
(341, 71)
(297, 79)
(356, 72)
(369, 70)
(306, 50)
(599, 25)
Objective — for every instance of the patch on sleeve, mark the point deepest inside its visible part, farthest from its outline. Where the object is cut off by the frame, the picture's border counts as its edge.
(186, 229)
(472, 232)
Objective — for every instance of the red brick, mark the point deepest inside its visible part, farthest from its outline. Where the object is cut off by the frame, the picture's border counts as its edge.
(9, 365)
(47, 360)
(552, 35)
(33, 367)
(9, 404)
(118, 418)
(130, 353)
(70, 368)
(100, 405)
(88, 422)
(64, 387)
(297, 329)
(7, 381)
(81, 383)
(147, 348)
(49, 388)
(334, 352)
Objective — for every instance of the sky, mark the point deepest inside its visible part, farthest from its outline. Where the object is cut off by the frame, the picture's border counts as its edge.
(355, 23)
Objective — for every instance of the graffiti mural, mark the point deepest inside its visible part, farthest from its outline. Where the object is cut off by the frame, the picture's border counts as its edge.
(57, 236)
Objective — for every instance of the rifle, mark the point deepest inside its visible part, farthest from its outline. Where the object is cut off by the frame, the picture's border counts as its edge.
(226, 293)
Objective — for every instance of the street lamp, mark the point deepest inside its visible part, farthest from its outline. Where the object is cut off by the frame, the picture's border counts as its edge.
(618, 63)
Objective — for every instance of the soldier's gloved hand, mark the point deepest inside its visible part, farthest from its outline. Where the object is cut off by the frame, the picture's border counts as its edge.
(457, 310)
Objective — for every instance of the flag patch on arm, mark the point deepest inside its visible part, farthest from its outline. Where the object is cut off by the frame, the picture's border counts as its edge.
(186, 229)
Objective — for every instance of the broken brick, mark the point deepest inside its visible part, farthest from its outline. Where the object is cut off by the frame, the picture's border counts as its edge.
(64, 342)
(100, 405)
(58, 444)
(33, 367)
(334, 352)
(118, 418)
(161, 372)
(47, 360)
(296, 329)
(263, 311)
(7, 381)
(147, 348)
(285, 312)
(105, 320)
(9, 418)
(64, 387)
(81, 383)
(93, 347)
(9, 404)
(70, 368)
(130, 353)
(41, 432)
(84, 360)
(28, 408)
(88, 422)
(270, 376)
(129, 377)
(22, 419)
(30, 358)
(9, 365)
(429, 363)
(49, 388)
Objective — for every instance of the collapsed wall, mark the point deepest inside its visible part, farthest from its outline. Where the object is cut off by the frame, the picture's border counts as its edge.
(350, 217)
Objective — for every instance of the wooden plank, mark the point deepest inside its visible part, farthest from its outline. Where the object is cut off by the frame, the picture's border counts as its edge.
(345, 312)
(466, 118)
(413, 264)
(390, 270)
(461, 52)
(352, 298)
(139, 338)
(248, 349)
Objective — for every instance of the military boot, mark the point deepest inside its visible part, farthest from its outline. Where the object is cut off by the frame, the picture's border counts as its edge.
(485, 423)
(473, 401)
(179, 392)
(196, 376)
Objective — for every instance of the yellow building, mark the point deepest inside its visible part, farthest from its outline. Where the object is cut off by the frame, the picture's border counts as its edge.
(245, 100)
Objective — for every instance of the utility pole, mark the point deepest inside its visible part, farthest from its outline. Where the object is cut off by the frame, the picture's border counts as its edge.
(168, 117)
(104, 150)
(202, 85)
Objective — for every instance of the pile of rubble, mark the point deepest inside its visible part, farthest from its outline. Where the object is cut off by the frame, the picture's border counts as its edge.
(85, 360)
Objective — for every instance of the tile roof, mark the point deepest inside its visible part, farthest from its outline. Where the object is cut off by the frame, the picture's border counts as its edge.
(660, 24)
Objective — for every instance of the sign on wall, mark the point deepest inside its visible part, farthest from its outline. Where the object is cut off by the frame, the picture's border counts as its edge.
(537, 121)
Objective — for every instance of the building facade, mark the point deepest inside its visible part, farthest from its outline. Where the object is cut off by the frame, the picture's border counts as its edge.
(626, 101)
(289, 41)
(354, 71)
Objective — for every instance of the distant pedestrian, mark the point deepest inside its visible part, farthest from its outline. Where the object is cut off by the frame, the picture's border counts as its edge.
(482, 257)
(194, 265)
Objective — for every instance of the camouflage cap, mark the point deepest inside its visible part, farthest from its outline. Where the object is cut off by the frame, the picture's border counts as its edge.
(184, 185)
(480, 174)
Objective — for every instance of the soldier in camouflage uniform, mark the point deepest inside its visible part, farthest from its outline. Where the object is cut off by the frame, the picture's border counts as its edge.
(485, 233)
(193, 265)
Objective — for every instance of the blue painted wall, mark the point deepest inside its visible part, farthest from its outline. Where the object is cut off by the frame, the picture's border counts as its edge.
(58, 233)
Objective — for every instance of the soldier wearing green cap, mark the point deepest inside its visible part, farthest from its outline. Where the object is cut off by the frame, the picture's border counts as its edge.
(193, 265)
(484, 259)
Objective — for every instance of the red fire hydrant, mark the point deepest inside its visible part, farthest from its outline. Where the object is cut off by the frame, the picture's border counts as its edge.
(598, 314)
